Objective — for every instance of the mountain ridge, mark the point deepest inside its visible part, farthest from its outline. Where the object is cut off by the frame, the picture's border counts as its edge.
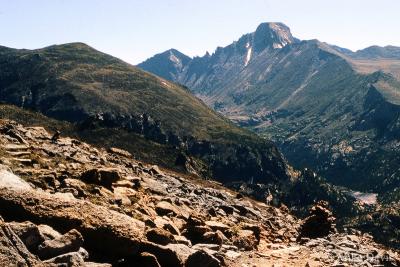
(309, 96)
(101, 94)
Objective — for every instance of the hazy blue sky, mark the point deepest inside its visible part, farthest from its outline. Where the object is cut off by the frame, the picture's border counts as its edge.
(134, 30)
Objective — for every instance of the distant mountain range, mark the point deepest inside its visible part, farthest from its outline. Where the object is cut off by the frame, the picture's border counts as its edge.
(328, 108)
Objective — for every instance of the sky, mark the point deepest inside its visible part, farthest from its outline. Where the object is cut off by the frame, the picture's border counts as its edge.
(135, 30)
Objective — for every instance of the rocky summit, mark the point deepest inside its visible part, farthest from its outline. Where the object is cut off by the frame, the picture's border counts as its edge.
(66, 203)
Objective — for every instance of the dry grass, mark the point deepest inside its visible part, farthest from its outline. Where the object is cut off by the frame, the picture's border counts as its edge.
(369, 66)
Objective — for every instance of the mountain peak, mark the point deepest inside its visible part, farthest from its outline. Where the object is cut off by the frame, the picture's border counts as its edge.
(173, 55)
(172, 62)
(177, 58)
(272, 34)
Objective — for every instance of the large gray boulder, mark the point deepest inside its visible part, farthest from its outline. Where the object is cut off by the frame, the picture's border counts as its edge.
(13, 251)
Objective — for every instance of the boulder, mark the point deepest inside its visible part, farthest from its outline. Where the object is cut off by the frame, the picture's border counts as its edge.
(231, 254)
(227, 209)
(179, 239)
(76, 184)
(252, 227)
(214, 238)
(154, 170)
(217, 226)
(29, 234)
(13, 251)
(72, 259)
(123, 195)
(159, 236)
(165, 223)
(202, 258)
(165, 208)
(245, 239)
(208, 247)
(147, 260)
(33, 235)
(319, 223)
(171, 255)
(124, 183)
(69, 242)
(47, 232)
(9, 180)
(172, 228)
(195, 229)
(103, 176)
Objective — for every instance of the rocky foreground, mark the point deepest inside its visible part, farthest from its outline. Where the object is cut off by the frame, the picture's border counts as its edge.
(66, 203)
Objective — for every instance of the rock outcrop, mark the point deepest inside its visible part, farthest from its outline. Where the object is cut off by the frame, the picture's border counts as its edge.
(319, 223)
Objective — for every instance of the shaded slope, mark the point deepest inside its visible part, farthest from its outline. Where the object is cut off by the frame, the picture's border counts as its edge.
(72, 82)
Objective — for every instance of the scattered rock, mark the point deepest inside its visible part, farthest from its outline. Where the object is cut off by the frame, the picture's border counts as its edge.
(170, 227)
(110, 205)
(227, 209)
(9, 180)
(95, 264)
(195, 229)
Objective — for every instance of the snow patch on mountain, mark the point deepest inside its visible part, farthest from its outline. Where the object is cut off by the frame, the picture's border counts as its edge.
(248, 55)
(175, 59)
